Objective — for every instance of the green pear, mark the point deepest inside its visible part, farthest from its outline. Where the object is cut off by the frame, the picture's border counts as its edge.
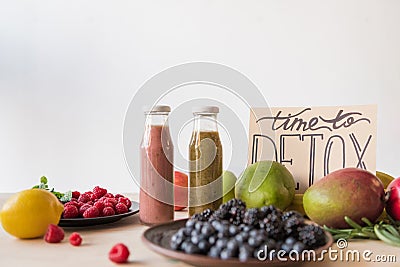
(228, 185)
(266, 183)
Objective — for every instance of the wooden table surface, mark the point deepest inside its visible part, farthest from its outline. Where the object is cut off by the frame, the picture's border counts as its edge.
(97, 241)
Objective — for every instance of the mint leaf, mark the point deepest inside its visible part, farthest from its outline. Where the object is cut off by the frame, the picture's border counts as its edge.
(61, 196)
(43, 180)
(66, 196)
(43, 186)
(57, 194)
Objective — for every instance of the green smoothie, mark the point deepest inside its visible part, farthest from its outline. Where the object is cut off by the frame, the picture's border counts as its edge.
(205, 154)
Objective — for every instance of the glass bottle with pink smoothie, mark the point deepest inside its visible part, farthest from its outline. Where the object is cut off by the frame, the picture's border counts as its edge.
(156, 199)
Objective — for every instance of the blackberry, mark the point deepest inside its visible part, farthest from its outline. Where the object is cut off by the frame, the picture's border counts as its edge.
(234, 203)
(272, 224)
(207, 213)
(203, 216)
(292, 214)
(236, 211)
(311, 235)
(237, 214)
(264, 211)
(291, 226)
(233, 231)
(233, 211)
(222, 213)
(251, 217)
(197, 218)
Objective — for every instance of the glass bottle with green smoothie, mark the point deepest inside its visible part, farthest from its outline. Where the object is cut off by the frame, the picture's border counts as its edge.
(205, 155)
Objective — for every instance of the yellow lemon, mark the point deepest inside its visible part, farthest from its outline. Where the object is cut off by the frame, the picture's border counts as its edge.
(28, 213)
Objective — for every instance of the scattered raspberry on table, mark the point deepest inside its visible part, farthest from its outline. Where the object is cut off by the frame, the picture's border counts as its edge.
(75, 239)
(119, 253)
(54, 234)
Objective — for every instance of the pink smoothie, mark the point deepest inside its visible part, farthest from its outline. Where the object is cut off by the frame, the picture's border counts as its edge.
(156, 192)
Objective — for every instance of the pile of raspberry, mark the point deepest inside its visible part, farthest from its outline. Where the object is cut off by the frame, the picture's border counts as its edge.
(95, 203)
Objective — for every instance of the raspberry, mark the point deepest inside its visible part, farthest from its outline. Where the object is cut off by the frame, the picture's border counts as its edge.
(93, 197)
(84, 208)
(121, 208)
(126, 201)
(99, 192)
(118, 196)
(99, 205)
(108, 211)
(108, 204)
(75, 239)
(54, 234)
(91, 212)
(84, 198)
(70, 211)
(76, 194)
(113, 201)
(109, 195)
(72, 203)
(119, 253)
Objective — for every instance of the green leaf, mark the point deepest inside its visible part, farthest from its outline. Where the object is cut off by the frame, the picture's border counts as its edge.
(66, 196)
(43, 180)
(43, 186)
(61, 196)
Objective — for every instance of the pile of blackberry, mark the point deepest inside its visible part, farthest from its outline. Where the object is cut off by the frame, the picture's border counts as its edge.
(233, 231)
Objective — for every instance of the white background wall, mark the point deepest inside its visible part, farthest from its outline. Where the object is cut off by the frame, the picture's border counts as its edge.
(68, 70)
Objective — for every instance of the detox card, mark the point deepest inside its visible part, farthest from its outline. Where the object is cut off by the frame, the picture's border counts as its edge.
(314, 141)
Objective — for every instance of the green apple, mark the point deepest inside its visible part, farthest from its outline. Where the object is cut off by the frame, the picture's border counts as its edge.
(228, 185)
(266, 183)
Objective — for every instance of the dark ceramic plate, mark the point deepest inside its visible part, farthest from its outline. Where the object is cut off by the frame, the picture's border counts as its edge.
(79, 222)
(157, 239)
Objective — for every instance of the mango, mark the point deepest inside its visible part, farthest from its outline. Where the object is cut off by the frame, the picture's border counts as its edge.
(347, 192)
